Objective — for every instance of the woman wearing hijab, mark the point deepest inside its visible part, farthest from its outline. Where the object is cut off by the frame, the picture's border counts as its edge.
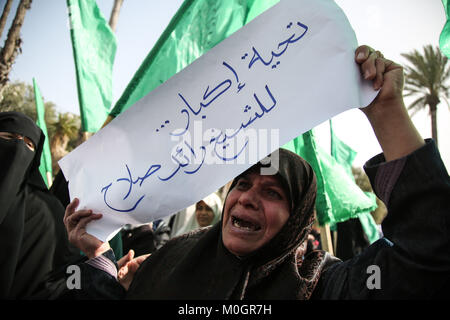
(258, 250)
(33, 238)
(204, 213)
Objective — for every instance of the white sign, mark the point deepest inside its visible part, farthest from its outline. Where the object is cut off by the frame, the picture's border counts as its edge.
(282, 74)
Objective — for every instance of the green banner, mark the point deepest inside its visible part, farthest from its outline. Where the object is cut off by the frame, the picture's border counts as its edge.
(197, 26)
(338, 196)
(344, 155)
(94, 49)
(45, 168)
(444, 39)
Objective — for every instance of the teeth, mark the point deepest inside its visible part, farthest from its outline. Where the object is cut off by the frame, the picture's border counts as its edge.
(238, 223)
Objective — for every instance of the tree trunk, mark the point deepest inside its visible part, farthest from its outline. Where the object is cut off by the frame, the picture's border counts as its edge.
(12, 43)
(433, 114)
(115, 14)
(58, 147)
(4, 17)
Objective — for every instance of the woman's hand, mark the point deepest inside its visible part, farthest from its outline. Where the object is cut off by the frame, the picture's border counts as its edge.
(128, 266)
(386, 75)
(75, 222)
(387, 113)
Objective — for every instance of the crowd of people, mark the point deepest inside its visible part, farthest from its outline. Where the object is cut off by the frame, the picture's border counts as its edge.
(256, 243)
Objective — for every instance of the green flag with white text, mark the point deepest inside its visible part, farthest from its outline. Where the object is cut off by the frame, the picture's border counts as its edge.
(94, 49)
(196, 27)
(45, 168)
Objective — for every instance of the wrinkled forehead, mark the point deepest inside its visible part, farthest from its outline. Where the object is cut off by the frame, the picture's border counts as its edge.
(293, 172)
(275, 179)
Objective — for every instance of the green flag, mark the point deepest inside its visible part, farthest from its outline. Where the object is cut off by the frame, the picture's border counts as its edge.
(444, 39)
(196, 27)
(305, 146)
(94, 49)
(341, 152)
(45, 168)
(344, 155)
(338, 197)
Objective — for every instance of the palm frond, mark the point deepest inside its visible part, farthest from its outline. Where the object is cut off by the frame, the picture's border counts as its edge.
(426, 77)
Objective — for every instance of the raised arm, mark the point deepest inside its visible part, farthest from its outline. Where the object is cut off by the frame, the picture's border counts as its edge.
(412, 260)
(387, 114)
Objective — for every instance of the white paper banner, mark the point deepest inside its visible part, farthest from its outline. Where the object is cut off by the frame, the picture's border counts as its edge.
(282, 74)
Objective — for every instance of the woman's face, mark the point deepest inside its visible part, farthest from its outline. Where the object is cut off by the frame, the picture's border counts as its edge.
(255, 211)
(204, 214)
(16, 136)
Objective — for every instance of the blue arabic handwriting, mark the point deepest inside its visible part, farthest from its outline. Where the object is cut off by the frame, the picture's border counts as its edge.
(221, 141)
(283, 45)
(182, 131)
(243, 125)
(105, 190)
(151, 170)
(240, 85)
(212, 95)
(201, 105)
(179, 156)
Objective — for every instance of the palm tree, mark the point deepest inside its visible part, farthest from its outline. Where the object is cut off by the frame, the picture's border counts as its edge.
(65, 130)
(425, 79)
(13, 42)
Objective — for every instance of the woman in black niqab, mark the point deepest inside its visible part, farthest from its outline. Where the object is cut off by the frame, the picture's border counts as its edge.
(28, 225)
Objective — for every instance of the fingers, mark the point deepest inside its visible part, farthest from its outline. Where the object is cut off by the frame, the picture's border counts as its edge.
(130, 255)
(362, 53)
(125, 259)
(123, 271)
(132, 265)
(82, 222)
(373, 65)
(141, 259)
(78, 219)
(74, 219)
(71, 207)
(380, 68)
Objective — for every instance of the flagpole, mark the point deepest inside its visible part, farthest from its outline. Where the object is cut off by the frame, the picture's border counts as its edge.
(49, 179)
(325, 238)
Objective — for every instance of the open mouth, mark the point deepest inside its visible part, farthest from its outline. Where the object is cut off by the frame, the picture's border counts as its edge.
(244, 224)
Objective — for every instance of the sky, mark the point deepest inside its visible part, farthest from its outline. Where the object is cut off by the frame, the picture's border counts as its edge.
(391, 26)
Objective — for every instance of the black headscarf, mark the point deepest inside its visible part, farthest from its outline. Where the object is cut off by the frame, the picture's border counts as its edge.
(198, 266)
(29, 229)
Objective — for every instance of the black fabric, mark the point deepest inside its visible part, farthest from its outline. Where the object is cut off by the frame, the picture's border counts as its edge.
(198, 266)
(60, 189)
(30, 219)
(414, 262)
(413, 258)
(94, 284)
(17, 161)
(140, 239)
(351, 239)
